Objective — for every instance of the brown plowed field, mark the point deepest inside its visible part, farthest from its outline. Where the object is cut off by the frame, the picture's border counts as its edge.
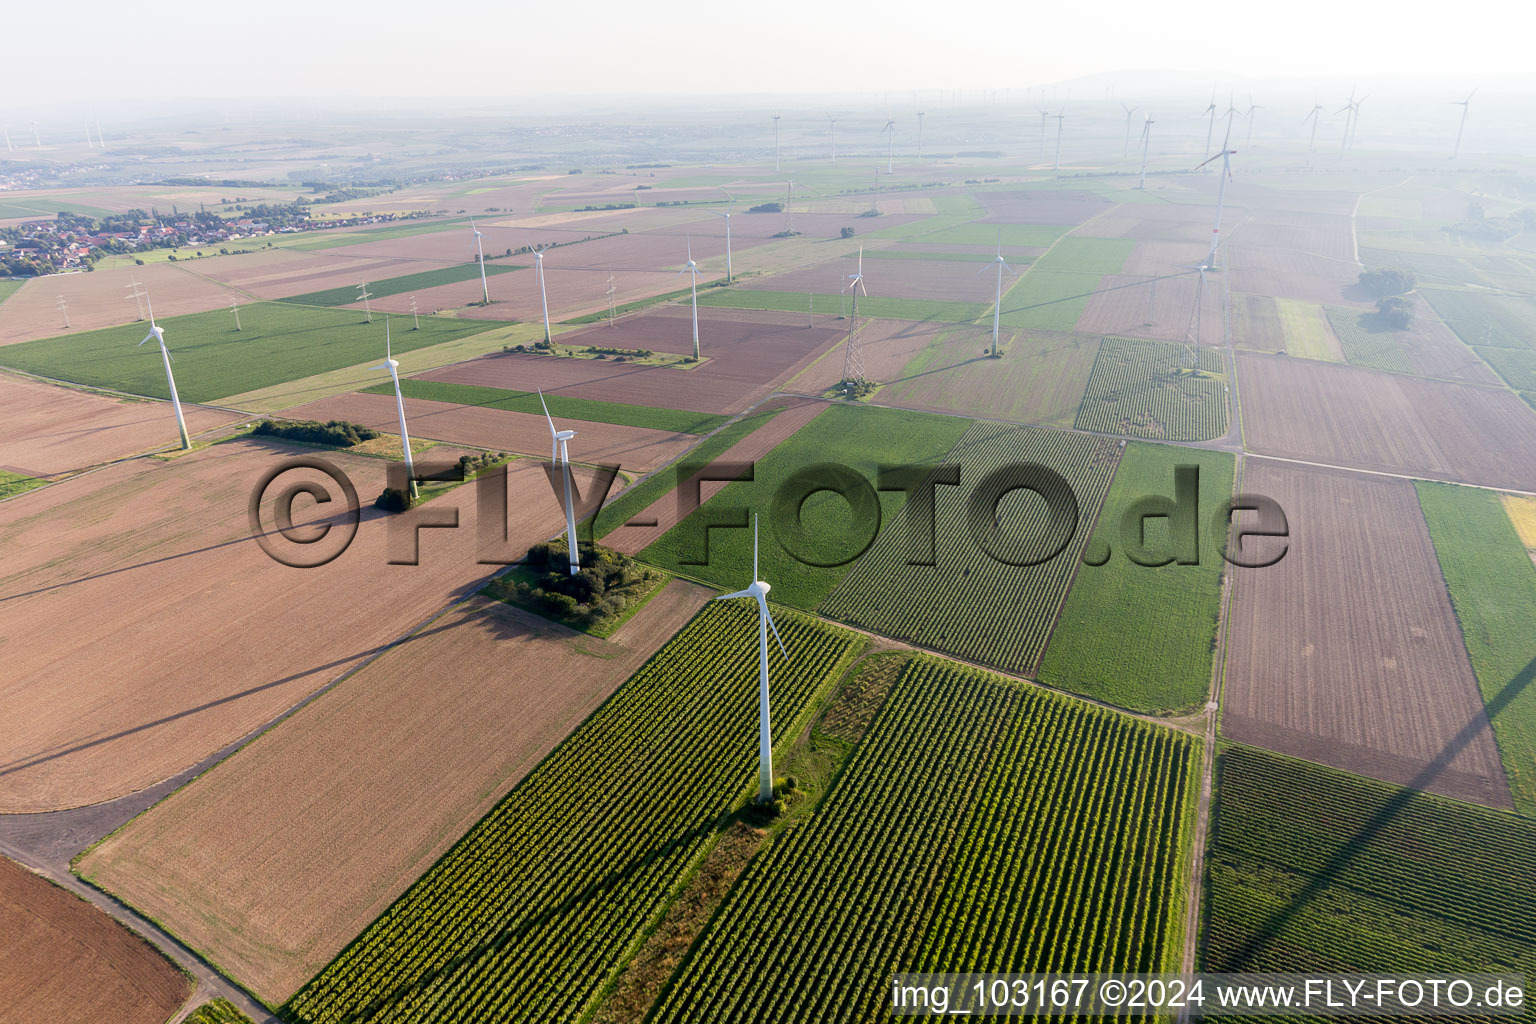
(1435, 351)
(515, 296)
(635, 448)
(886, 346)
(1027, 206)
(145, 629)
(279, 273)
(798, 412)
(747, 356)
(102, 299)
(1154, 223)
(1288, 274)
(936, 280)
(1365, 419)
(1159, 259)
(52, 430)
(1347, 651)
(65, 962)
(273, 861)
(1132, 307)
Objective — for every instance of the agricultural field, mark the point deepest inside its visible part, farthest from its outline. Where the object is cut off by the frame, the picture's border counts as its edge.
(873, 305)
(1136, 390)
(559, 405)
(1347, 650)
(1522, 514)
(528, 915)
(953, 840)
(68, 963)
(853, 436)
(971, 602)
(1314, 870)
(1485, 320)
(1161, 308)
(402, 285)
(219, 1011)
(1053, 292)
(277, 342)
(1163, 618)
(1267, 324)
(1364, 419)
(1492, 583)
(944, 281)
(9, 286)
(1365, 344)
(102, 299)
(265, 892)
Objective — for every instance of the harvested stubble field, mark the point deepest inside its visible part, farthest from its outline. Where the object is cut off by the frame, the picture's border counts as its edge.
(406, 284)
(1034, 206)
(636, 449)
(995, 613)
(887, 348)
(1138, 307)
(924, 280)
(102, 299)
(955, 839)
(1288, 274)
(1314, 870)
(1134, 390)
(528, 915)
(1347, 650)
(1364, 419)
(1291, 327)
(277, 342)
(747, 355)
(67, 962)
(51, 430)
(1163, 618)
(281, 273)
(150, 564)
(1039, 379)
(270, 864)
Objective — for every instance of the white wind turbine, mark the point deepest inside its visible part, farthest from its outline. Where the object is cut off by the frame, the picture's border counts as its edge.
(1210, 124)
(1146, 140)
(1125, 149)
(485, 288)
(889, 131)
(997, 306)
(1044, 116)
(832, 126)
(1317, 108)
(158, 333)
(561, 455)
(393, 366)
(1465, 105)
(1059, 118)
(538, 264)
(759, 590)
(1221, 193)
(693, 268)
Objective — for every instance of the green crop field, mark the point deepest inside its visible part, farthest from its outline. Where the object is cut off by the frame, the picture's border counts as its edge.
(313, 240)
(1364, 346)
(1039, 379)
(1163, 618)
(1305, 330)
(878, 306)
(1516, 365)
(1486, 321)
(402, 284)
(1014, 235)
(1493, 589)
(1314, 870)
(971, 602)
(46, 208)
(279, 342)
(10, 286)
(218, 1011)
(1133, 391)
(639, 497)
(532, 911)
(12, 484)
(1054, 291)
(981, 825)
(854, 436)
(561, 406)
(918, 254)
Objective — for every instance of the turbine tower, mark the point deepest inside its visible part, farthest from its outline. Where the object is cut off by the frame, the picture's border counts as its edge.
(692, 268)
(1252, 106)
(727, 216)
(1125, 149)
(920, 115)
(1465, 105)
(832, 126)
(538, 266)
(1317, 108)
(889, 131)
(1044, 116)
(1059, 118)
(853, 362)
(485, 288)
(997, 306)
(393, 367)
(1221, 193)
(1146, 139)
(759, 590)
(1210, 124)
(561, 456)
(158, 333)
(776, 143)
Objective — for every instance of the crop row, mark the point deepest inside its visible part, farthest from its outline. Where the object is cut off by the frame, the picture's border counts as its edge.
(1136, 389)
(980, 825)
(527, 916)
(1313, 869)
(972, 602)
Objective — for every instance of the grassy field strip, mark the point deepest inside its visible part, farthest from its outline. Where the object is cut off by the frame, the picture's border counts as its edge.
(877, 306)
(1522, 514)
(672, 420)
(421, 281)
(9, 286)
(1493, 589)
(1307, 331)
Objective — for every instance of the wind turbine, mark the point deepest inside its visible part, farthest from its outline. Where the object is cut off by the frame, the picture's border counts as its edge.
(393, 367)
(1126, 148)
(853, 363)
(997, 306)
(538, 266)
(1146, 139)
(1252, 106)
(1317, 108)
(889, 131)
(561, 455)
(759, 590)
(920, 115)
(776, 143)
(1210, 124)
(1354, 122)
(832, 126)
(1044, 116)
(1465, 105)
(1221, 193)
(1059, 118)
(693, 268)
(727, 216)
(158, 333)
(485, 288)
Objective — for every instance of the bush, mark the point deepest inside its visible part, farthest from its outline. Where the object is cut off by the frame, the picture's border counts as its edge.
(766, 208)
(1395, 312)
(336, 433)
(1390, 281)
(608, 584)
(394, 499)
(847, 232)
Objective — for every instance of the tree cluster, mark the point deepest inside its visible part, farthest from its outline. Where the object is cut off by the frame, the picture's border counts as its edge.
(1388, 281)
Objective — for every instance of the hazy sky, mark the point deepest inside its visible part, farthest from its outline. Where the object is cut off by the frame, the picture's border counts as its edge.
(179, 48)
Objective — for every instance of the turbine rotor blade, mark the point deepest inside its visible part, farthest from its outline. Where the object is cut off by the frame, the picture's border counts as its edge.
(547, 417)
(739, 593)
(763, 604)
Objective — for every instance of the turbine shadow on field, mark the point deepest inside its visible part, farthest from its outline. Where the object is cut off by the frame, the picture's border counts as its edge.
(1272, 927)
(1088, 295)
